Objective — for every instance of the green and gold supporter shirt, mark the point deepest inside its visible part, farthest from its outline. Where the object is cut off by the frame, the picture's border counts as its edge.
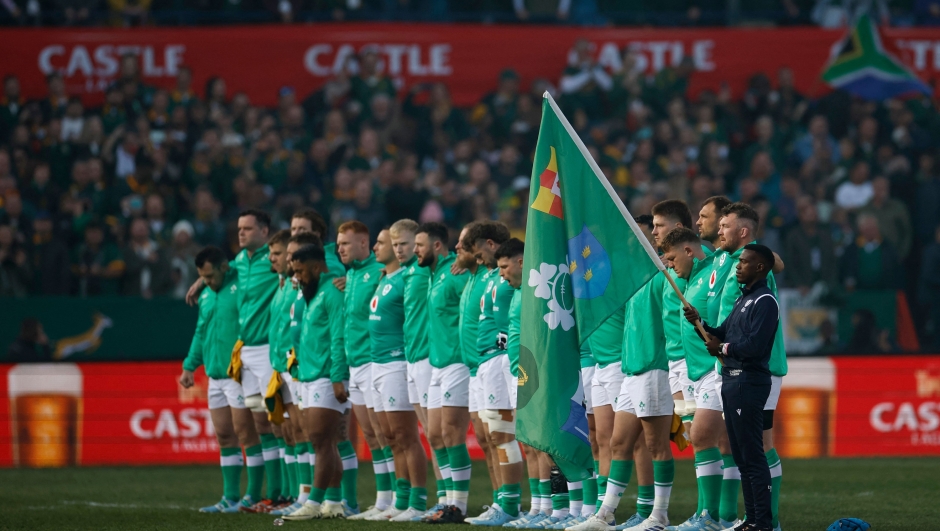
(216, 329)
(607, 341)
(494, 311)
(322, 353)
(361, 280)
(587, 357)
(515, 331)
(444, 313)
(673, 317)
(644, 340)
(257, 285)
(386, 319)
(697, 358)
(471, 310)
(416, 280)
(732, 291)
(279, 337)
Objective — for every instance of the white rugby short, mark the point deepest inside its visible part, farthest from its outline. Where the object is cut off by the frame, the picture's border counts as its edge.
(225, 393)
(679, 381)
(319, 394)
(390, 381)
(476, 389)
(496, 382)
(287, 391)
(419, 379)
(450, 387)
(587, 381)
(707, 394)
(256, 369)
(647, 395)
(606, 385)
(360, 385)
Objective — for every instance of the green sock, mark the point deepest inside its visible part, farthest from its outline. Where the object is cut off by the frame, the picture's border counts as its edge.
(601, 491)
(418, 499)
(730, 487)
(317, 495)
(575, 497)
(282, 463)
(590, 493)
(664, 473)
(644, 500)
(350, 473)
(443, 463)
(776, 479)
(389, 465)
(441, 489)
(303, 469)
(698, 482)
(255, 461)
(334, 494)
(534, 496)
(402, 493)
(620, 472)
(290, 462)
(272, 466)
(708, 472)
(231, 462)
(460, 472)
(382, 482)
(509, 501)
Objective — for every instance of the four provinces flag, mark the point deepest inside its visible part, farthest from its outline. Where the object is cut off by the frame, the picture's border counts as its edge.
(862, 64)
(584, 258)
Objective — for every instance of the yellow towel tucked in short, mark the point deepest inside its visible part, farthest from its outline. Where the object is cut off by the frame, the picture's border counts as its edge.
(273, 400)
(677, 433)
(235, 366)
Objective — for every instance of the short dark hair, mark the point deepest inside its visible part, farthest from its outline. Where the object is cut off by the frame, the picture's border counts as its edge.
(305, 238)
(511, 248)
(719, 202)
(764, 252)
(317, 223)
(675, 210)
(743, 211)
(261, 217)
(645, 219)
(212, 255)
(489, 230)
(435, 230)
(677, 236)
(280, 237)
(309, 253)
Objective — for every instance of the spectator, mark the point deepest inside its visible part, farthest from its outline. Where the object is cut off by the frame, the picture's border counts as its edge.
(182, 266)
(147, 265)
(497, 110)
(817, 135)
(858, 190)
(892, 215)
(155, 210)
(209, 229)
(809, 251)
(928, 292)
(14, 265)
(12, 215)
(31, 345)
(369, 82)
(871, 263)
(584, 82)
(77, 12)
(129, 13)
(97, 264)
(11, 104)
(41, 194)
(867, 338)
(48, 259)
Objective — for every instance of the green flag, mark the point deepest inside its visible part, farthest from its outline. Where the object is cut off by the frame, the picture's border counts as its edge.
(584, 258)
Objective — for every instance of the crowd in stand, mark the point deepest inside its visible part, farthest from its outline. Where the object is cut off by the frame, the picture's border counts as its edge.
(117, 199)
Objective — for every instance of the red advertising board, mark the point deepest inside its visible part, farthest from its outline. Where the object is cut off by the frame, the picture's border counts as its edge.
(260, 59)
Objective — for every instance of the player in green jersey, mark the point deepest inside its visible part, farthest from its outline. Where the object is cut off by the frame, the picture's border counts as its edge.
(322, 373)
(738, 227)
(448, 394)
(310, 221)
(390, 380)
(216, 331)
(352, 243)
(683, 250)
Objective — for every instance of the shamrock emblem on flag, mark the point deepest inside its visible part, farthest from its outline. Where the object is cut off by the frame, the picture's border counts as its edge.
(551, 283)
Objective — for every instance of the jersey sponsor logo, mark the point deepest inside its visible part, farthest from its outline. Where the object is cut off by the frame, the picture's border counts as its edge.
(292, 311)
(493, 295)
(712, 279)
(374, 303)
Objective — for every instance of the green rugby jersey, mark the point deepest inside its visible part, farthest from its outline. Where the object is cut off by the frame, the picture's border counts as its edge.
(494, 317)
(644, 341)
(697, 358)
(673, 317)
(256, 287)
(333, 264)
(322, 353)
(587, 357)
(607, 341)
(216, 329)
(296, 319)
(361, 280)
(444, 313)
(721, 263)
(386, 319)
(515, 329)
(730, 294)
(279, 338)
(470, 312)
(416, 280)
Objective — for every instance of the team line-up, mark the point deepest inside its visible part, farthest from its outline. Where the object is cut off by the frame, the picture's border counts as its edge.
(295, 336)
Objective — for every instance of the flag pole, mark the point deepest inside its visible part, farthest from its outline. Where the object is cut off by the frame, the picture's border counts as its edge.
(654, 256)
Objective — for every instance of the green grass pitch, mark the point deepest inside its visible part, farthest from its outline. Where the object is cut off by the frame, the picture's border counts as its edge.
(891, 494)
